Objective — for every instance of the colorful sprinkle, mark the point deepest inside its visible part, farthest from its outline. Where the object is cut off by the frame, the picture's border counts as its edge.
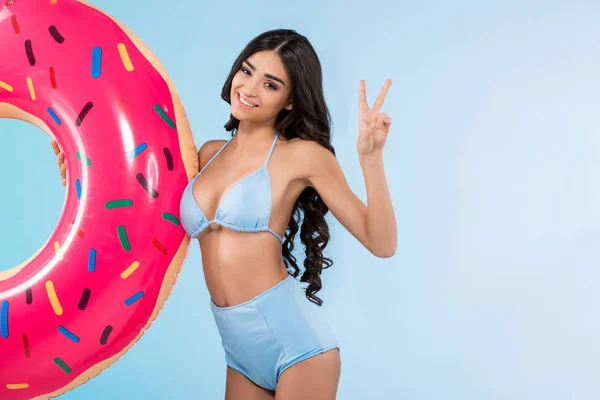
(28, 296)
(125, 57)
(6, 86)
(78, 188)
(164, 116)
(133, 154)
(62, 365)
(118, 203)
(53, 2)
(17, 386)
(123, 238)
(55, 34)
(171, 218)
(142, 180)
(4, 319)
(88, 106)
(83, 158)
(26, 348)
(134, 298)
(68, 334)
(105, 334)
(53, 78)
(159, 246)
(96, 62)
(57, 251)
(31, 89)
(53, 298)
(92, 260)
(15, 23)
(169, 158)
(85, 298)
(130, 270)
(29, 51)
(80, 233)
(54, 116)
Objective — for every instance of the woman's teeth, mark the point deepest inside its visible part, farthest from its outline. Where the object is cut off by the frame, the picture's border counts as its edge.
(244, 102)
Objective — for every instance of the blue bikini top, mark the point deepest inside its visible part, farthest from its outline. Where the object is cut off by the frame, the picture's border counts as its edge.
(246, 207)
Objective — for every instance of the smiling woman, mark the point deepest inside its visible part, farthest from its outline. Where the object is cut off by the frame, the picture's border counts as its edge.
(275, 176)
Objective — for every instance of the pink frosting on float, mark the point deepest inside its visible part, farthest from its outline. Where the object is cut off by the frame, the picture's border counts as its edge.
(71, 66)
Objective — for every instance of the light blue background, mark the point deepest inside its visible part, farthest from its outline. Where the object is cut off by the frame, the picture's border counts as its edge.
(493, 165)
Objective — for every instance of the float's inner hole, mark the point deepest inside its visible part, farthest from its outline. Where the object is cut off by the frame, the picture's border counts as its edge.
(31, 192)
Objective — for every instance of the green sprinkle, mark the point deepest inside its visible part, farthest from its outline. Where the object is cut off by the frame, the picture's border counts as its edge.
(164, 116)
(171, 218)
(62, 365)
(118, 203)
(84, 159)
(123, 238)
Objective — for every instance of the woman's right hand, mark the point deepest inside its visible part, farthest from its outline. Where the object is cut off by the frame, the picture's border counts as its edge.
(62, 165)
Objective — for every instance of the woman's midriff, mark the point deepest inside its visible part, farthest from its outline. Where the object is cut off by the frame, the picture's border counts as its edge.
(238, 266)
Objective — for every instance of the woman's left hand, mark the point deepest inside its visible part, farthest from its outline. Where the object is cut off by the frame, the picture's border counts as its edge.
(374, 125)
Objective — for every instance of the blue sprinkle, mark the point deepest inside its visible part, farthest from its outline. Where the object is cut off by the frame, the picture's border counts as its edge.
(96, 61)
(133, 154)
(68, 335)
(134, 298)
(4, 319)
(92, 260)
(54, 116)
(78, 187)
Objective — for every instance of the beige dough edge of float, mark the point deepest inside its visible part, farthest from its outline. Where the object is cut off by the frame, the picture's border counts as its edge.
(190, 160)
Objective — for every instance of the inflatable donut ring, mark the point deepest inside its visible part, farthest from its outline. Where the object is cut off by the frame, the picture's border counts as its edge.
(91, 290)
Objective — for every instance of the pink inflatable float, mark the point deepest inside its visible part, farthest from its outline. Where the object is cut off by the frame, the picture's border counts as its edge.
(89, 293)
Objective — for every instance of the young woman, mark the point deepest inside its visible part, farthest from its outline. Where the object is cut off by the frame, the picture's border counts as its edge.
(275, 176)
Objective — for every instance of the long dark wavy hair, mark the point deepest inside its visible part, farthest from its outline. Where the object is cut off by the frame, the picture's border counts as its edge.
(309, 119)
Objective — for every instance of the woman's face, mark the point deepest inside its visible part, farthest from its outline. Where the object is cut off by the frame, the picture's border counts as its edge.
(260, 89)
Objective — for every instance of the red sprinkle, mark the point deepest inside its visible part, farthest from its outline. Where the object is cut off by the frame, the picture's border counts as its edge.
(26, 346)
(80, 232)
(15, 23)
(159, 246)
(53, 78)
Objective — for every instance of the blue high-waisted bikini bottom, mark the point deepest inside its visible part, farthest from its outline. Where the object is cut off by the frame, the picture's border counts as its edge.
(271, 332)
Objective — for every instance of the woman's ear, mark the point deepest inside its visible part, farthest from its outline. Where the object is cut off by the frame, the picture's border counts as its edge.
(289, 106)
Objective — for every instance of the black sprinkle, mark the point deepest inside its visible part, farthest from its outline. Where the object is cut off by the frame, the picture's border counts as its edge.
(29, 52)
(169, 158)
(85, 297)
(28, 296)
(55, 34)
(88, 106)
(105, 335)
(142, 180)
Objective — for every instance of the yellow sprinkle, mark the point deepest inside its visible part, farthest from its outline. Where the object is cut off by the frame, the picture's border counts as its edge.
(53, 1)
(17, 386)
(57, 251)
(125, 274)
(125, 57)
(6, 86)
(30, 86)
(53, 299)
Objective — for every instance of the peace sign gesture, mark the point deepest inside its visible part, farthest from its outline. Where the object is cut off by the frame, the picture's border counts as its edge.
(374, 125)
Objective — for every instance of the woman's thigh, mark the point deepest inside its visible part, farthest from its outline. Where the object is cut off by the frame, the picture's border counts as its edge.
(315, 378)
(238, 387)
